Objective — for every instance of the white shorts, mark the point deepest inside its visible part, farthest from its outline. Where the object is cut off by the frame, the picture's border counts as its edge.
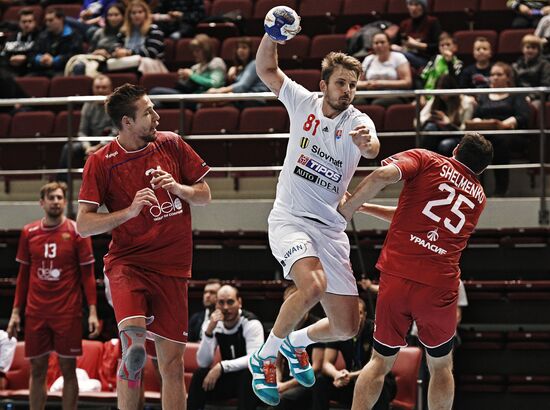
(292, 238)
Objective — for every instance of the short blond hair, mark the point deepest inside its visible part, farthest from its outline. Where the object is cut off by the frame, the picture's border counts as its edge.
(334, 59)
(531, 40)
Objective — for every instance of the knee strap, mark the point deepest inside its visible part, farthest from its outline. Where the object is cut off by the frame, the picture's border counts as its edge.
(133, 354)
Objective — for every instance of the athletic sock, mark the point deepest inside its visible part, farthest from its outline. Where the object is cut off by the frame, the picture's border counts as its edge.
(271, 346)
(300, 337)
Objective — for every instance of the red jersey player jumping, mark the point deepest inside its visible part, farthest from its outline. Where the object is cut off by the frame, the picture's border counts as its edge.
(55, 262)
(438, 209)
(146, 179)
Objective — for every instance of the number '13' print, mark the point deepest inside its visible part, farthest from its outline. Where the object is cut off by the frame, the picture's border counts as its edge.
(460, 199)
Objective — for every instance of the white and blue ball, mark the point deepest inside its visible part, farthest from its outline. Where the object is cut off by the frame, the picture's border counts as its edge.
(282, 23)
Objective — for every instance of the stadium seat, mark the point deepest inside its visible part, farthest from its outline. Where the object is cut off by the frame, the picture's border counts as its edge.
(60, 128)
(32, 124)
(35, 87)
(148, 81)
(169, 51)
(308, 78)
(397, 10)
(509, 44)
(70, 86)
(70, 10)
(5, 121)
(261, 7)
(405, 370)
(170, 120)
(455, 15)
(229, 46)
(292, 54)
(184, 57)
(12, 14)
(400, 117)
(263, 120)
(223, 120)
(122, 78)
(242, 8)
(219, 30)
(359, 13)
(319, 16)
(323, 44)
(376, 114)
(465, 39)
(493, 15)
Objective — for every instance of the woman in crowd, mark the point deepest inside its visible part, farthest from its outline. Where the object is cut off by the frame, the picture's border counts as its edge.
(385, 70)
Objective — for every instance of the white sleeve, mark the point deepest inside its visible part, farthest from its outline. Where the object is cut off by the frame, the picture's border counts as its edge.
(293, 94)
(253, 334)
(462, 298)
(398, 58)
(207, 348)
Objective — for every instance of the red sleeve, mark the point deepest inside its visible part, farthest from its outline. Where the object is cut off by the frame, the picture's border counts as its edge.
(85, 251)
(88, 283)
(409, 163)
(94, 182)
(22, 286)
(193, 167)
(23, 253)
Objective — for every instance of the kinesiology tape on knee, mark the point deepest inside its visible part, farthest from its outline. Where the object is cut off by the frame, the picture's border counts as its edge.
(133, 354)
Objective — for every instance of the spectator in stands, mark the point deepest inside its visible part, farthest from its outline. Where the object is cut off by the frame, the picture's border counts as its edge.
(178, 18)
(446, 62)
(419, 34)
(15, 54)
(238, 334)
(55, 45)
(142, 42)
(199, 320)
(445, 113)
(91, 17)
(94, 122)
(338, 384)
(55, 263)
(10, 89)
(242, 75)
(501, 111)
(385, 70)
(528, 12)
(208, 72)
(531, 69)
(293, 394)
(102, 45)
(476, 75)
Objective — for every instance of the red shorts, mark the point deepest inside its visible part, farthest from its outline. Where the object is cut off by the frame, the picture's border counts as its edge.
(60, 335)
(400, 301)
(161, 299)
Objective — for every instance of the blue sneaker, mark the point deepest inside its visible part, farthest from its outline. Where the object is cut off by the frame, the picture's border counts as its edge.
(298, 362)
(264, 379)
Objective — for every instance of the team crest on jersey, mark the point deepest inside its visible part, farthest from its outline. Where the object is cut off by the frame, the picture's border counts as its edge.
(338, 134)
(66, 236)
(304, 142)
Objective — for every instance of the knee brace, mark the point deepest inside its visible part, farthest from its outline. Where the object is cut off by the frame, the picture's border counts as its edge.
(133, 354)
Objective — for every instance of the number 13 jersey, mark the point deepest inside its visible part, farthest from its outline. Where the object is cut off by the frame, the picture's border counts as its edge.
(320, 159)
(438, 209)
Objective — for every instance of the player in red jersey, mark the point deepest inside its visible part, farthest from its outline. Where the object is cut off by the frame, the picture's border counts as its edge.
(146, 179)
(438, 209)
(55, 262)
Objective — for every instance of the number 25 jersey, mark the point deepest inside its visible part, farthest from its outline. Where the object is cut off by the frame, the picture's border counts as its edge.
(438, 209)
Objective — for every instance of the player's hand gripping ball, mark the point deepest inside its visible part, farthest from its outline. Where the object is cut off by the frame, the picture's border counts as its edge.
(282, 23)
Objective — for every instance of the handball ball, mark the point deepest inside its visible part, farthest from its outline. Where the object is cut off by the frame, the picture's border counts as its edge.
(282, 23)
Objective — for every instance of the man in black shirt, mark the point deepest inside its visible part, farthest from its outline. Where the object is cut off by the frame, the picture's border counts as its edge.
(238, 334)
(199, 320)
(338, 384)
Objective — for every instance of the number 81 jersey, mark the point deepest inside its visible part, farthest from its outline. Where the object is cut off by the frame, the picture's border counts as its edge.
(438, 209)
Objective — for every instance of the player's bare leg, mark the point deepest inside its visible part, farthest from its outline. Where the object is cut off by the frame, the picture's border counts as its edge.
(170, 362)
(342, 321)
(128, 393)
(441, 388)
(370, 382)
(37, 382)
(70, 382)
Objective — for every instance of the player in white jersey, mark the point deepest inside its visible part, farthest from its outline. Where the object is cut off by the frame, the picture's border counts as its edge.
(328, 136)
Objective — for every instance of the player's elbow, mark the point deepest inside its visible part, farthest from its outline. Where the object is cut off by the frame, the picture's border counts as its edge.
(385, 175)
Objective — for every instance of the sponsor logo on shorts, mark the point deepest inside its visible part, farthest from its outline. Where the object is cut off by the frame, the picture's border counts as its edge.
(304, 142)
(297, 249)
(329, 186)
(319, 168)
(428, 245)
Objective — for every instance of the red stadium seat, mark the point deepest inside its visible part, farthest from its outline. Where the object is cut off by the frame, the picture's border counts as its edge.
(5, 121)
(398, 9)
(36, 87)
(219, 30)
(223, 120)
(149, 81)
(405, 370)
(354, 7)
(70, 10)
(323, 44)
(242, 8)
(119, 79)
(465, 40)
(400, 117)
(318, 16)
(263, 120)
(70, 86)
(169, 51)
(60, 128)
(12, 14)
(32, 124)
(308, 78)
(493, 15)
(509, 43)
(229, 46)
(376, 114)
(184, 57)
(293, 52)
(455, 15)
(263, 6)
(170, 120)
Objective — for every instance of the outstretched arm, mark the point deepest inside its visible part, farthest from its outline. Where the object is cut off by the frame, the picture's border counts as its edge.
(267, 65)
(378, 211)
